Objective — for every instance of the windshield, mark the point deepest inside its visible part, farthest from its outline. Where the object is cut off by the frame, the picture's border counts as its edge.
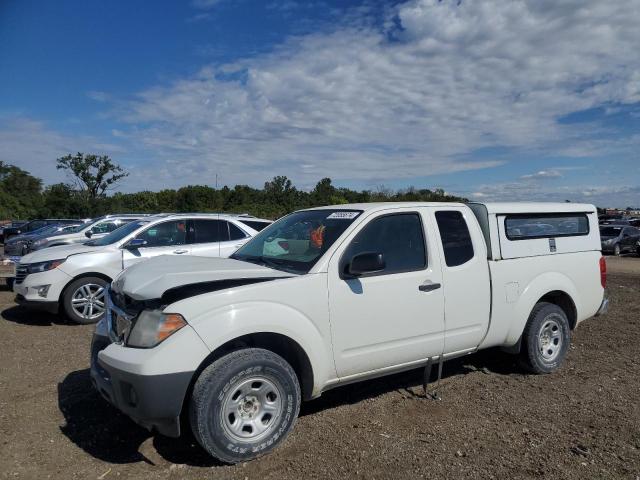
(117, 235)
(44, 230)
(84, 226)
(296, 242)
(610, 231)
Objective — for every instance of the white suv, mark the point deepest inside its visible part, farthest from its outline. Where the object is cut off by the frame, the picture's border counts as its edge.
(75, 276)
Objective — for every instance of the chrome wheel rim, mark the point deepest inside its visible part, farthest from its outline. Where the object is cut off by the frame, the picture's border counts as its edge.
(251, 409)
(88, 301)
(550, 339)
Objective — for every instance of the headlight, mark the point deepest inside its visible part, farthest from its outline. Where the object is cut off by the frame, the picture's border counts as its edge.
(44, 266)
(40, 243)
(154, 326)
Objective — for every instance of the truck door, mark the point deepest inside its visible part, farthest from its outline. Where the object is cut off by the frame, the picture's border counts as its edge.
(465, 278)
(394, 316)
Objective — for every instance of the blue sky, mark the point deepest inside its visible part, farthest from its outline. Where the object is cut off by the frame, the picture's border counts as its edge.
(492, 100)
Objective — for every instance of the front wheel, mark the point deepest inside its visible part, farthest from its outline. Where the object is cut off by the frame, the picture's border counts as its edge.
(244, 404)
(83, 300)
(546, 338)
(617, 250)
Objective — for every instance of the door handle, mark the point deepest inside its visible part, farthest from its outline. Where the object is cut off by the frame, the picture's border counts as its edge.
(429, 287)
(179, 252)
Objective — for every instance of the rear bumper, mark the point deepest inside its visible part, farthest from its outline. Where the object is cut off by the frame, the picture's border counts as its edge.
(45, 306)
(604, 307)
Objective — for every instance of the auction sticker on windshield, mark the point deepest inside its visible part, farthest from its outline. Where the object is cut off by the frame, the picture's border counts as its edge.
(343, 215)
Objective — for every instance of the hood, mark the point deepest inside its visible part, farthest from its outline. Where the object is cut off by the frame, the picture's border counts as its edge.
(69, 236)
(56, 253)
(152, 278)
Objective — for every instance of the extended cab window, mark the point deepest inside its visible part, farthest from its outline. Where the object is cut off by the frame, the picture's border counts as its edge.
(165, 234)
(546, 225)
(398, 237)
(456, 240)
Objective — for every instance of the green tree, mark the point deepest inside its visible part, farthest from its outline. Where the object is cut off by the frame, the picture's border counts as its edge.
(92, 174)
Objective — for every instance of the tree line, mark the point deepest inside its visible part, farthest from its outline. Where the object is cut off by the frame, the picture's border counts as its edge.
(23, 196)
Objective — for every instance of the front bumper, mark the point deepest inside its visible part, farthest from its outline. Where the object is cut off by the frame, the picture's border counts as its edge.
(130, 379)
(45, 306)
(14, 249)
(27, 289)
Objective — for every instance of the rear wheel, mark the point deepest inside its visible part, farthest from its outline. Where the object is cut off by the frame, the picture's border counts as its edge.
(616, 250)
(83, 301)
(244, 404)
(546, 338)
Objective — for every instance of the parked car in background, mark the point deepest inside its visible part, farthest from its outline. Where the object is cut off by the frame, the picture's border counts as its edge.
(96, 228)
(35, 225)
(13, 224)
(73, 277)
(615, 221)
(20, 244)
(619, 239)
(233, 345)
(634, 222)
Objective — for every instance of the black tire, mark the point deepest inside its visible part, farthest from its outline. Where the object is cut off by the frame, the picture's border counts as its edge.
(617, 250)
(70, 293)
(546, 322)
(239, 374)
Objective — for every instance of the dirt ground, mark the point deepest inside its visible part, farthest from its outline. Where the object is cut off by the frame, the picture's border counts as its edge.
(493, 421)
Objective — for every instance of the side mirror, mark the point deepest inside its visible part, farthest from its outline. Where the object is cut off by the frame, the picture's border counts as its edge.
(88, 233)
(364, 263)
(135, 243)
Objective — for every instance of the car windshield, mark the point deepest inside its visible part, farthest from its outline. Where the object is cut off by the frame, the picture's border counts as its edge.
(117, 235)
(296, 242)
(44, 230)
(49, 229)
(610, 231)
(84, 226)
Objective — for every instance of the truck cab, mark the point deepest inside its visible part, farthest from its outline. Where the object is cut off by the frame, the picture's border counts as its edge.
(333, 295)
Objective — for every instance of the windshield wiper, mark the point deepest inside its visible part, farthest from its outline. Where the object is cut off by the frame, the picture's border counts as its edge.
(265, 262)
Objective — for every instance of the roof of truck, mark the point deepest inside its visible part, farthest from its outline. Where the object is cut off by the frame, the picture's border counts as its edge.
(382, 205)
(537, 207)
(494, 207)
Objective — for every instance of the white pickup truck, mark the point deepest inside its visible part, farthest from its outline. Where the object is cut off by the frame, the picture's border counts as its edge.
(339, 294)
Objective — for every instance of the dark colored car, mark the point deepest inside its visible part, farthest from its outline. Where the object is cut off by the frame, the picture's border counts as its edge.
(20, 244)
(13, 224)
(35, 225)
(619, 239)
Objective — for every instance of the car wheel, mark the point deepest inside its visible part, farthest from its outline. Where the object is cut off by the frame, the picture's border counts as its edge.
(83, 300)
(616, 250)
(546, 338)
(244, 404)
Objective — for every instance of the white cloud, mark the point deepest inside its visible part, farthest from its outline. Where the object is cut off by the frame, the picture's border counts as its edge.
(619, 195)
(204, 4)
(542, 175)
(359, 106)
(34, 147)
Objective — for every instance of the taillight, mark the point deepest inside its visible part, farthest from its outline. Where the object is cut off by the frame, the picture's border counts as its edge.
(603, 272)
